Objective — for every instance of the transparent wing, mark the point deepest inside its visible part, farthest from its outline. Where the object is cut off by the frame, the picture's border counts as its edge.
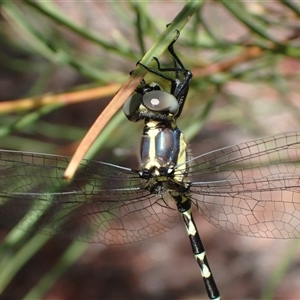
(103, 203)
(252, 188)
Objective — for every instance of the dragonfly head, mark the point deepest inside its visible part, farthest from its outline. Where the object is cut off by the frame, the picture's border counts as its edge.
(161, 95)
(154, 104)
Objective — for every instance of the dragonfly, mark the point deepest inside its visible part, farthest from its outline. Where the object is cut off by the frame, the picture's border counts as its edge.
(249, 189)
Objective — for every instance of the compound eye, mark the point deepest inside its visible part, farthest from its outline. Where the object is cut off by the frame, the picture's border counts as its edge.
(161, 101)
(132, 105)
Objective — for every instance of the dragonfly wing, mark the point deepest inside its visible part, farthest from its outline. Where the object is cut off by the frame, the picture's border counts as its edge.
(252, 188)
(103, 203)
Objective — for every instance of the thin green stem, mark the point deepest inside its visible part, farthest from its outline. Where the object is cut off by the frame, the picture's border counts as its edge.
(53, 12)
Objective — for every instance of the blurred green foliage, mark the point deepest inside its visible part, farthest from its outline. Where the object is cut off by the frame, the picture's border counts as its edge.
(244, 56)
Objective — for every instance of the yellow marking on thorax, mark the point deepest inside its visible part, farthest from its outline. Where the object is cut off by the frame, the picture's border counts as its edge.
(152, 133)
(182, 157)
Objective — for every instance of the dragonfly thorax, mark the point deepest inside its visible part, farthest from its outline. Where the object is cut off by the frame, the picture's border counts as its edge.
(162, 148)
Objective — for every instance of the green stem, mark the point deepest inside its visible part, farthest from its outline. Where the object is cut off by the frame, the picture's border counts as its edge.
(292, 5)
(53, 12)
